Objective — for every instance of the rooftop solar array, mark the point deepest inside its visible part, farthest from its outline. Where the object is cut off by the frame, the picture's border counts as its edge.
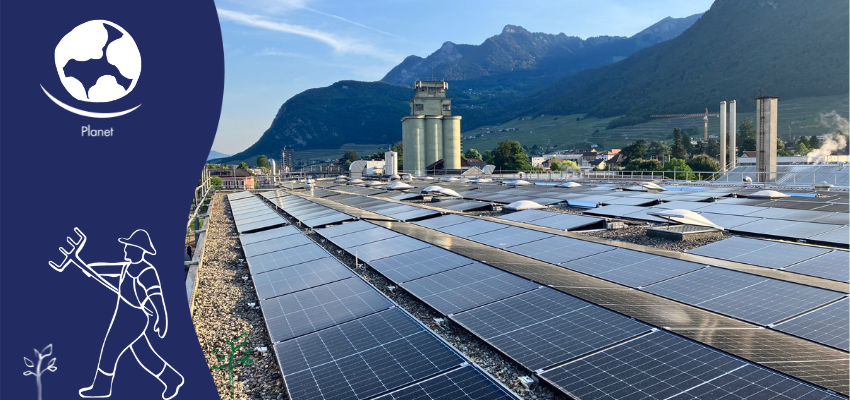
(753, 298)
(336, 337)
(362, 358)
(299, 277)
(401, 212)
(306, 311)
(832, 265)
(507, 237)
(418, 263)
(544, 327)
(309, 213)
(466, 287)
(664, 366)
(462, 383)
(632, 268)
(587, 351)
(829, 325)
(251, 214)
(801, 259)
(282, 259)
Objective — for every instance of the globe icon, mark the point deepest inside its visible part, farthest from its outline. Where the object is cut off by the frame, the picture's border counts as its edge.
(98, 62)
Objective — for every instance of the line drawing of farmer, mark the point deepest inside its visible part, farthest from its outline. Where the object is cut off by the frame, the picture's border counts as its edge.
(139, 298)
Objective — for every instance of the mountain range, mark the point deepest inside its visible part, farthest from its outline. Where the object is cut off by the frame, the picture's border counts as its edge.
(788, 48)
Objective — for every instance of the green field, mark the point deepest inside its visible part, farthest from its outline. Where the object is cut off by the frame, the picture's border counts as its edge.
(796, 117)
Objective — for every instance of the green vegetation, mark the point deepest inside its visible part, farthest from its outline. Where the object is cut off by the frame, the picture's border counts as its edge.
(510, 156)
(349, 157)
(734, 49)
(704, 163)
(263, 162)
(563, 165)
(243, 166)
(243, 357)
(472, 153)
(215, 182)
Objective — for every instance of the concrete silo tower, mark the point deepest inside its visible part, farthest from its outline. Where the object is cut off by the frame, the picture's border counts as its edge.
(430, 133)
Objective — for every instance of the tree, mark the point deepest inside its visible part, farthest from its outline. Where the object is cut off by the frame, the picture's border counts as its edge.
(563, 165)
(704, 163)
(509, 155)
(746, 139)
(215, 182)
(243, 166)
(686, 141)
(349, 157)
(814, 142)
(472, 153)
(643, 165)
(677, 169)
(678, 150)
(658, 149)
(263, 162)
(800, 148)
(780, 148)
(804, 141)
(40, 365)
(487, 157)
(635, 150)
(712, 148)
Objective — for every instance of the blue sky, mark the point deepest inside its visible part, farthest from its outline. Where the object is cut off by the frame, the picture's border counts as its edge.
(275, 49)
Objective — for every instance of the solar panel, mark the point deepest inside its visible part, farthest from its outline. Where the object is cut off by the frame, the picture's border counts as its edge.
(327, 220)
(285, 258)
(792, 214)
(320, 307)
(566, 221)
(632, 268)
(240, 217)
(416, 213)
(833, 266)
(682, 205)
(838, 236)
(345, 229)
(829, 325)
(445, 220)
(466, 287)
(545, 327)
(462, 383)
(752, 298)
(277, 244)
(386, 248)
(510, 236)
(658, 365)
(615, 211)
(753, 382)
(365, 236)
(467, 206)
(472, 228)
(730, 209)
(764, 253)
(255, 226)
(267, 235)
(261, 217)
(728, 221)
(559, 249)
(527, 215)
(239, 195)
(299, 277)
(362, 358)
(416, 264)
(629, 201)
(785, 229)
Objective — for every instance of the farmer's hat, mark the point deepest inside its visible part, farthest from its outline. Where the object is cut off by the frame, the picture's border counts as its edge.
(140, 239)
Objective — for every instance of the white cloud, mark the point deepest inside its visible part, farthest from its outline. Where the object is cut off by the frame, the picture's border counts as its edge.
(275, 52)
(340, 45)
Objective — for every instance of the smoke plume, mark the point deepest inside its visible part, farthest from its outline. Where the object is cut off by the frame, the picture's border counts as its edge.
(833, 141)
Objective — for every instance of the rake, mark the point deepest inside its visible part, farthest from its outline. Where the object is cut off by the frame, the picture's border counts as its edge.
(73, 257)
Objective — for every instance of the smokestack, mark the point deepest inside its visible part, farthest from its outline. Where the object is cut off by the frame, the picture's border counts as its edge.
(723, 131)
(733, 131)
